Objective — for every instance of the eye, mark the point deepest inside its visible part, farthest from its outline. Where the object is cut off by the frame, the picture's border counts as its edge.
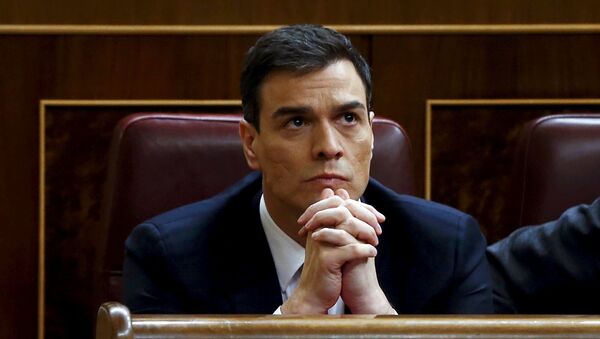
(349, 118)
(296, 122)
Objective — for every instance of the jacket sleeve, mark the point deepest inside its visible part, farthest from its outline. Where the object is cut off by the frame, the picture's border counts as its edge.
(550, 268)
(148, 284)
(470, 290)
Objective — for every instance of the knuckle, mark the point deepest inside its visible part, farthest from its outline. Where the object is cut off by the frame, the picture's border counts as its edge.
(346, 212)
(371, 218)
(372, 232)
(349, 203)
(356, 249)
(317, 214)
(337, 200)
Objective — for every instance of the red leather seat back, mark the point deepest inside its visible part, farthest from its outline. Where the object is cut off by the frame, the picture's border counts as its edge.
(161, 161)
(558, 166)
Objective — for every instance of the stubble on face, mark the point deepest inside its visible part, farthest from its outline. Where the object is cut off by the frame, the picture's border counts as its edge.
(297, 156)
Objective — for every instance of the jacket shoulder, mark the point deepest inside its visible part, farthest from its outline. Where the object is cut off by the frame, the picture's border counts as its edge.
(428, 216)
(185, 228)
(242, 191)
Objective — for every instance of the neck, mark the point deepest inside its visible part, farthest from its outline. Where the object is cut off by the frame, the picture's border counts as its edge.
(285, 218)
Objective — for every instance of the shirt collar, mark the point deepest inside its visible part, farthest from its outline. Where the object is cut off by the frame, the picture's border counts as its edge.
(287, 254)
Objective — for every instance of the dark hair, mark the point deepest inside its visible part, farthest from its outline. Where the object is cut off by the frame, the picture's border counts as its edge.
(297, 48)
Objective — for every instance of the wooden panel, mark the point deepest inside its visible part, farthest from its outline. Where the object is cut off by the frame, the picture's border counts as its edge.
(75, 166)
(182, 12)
(148, 67)
(408, 70)
(20, 79)
(473, 149)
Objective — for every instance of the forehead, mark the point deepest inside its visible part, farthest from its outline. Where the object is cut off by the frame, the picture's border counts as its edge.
(336, 83)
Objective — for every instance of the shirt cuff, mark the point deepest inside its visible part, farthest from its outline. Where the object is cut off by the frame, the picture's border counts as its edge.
(278, 311)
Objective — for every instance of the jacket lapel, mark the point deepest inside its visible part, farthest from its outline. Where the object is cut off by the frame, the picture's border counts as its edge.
(256, 290)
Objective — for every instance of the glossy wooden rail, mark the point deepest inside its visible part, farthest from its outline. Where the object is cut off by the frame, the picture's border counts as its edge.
(115, 321)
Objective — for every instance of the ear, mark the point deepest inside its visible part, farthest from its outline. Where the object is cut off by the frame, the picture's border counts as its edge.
(248, 135)
(371, 116)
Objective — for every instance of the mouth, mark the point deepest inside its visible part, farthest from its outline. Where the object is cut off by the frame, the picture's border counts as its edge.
(328, 179)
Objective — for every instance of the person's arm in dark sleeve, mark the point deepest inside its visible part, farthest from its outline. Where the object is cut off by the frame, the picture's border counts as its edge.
(147, 280)
(550, 268)
(471, 291)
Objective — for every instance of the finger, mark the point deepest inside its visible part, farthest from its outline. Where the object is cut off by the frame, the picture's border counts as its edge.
(329, 217)
(341, 218)
(380, 217)
(360, 230)
(345, 195)
(325, 203)
(333, 236)
(342, 193)
(326, 193)
(353, 252)
(362, 212)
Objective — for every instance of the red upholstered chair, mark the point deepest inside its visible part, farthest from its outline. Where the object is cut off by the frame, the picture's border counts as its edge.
(552, 267)
(558, 166)
(161, 161)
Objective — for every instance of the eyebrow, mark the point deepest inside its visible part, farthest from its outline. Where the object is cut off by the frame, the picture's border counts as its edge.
(291, 110)
(302, 110)
(350, 106)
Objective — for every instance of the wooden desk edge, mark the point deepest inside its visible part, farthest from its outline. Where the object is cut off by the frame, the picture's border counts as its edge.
(346, 326)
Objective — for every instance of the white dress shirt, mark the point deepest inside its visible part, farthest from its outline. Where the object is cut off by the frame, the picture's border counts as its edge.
(288, 257)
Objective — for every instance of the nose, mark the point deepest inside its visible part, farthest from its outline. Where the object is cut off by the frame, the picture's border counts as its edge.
(326, 142)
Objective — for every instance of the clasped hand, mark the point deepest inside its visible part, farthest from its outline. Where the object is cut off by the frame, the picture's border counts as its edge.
(340, 249)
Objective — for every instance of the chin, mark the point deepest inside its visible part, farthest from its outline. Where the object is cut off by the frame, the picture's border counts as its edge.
(308, 200)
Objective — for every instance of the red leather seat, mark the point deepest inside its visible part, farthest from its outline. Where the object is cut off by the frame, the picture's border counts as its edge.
(558, 166)
(161, 161)
(552, 267)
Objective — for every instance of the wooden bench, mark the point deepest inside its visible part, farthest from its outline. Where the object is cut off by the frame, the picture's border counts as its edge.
(115, 321)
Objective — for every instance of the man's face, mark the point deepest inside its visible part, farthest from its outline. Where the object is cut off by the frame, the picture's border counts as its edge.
(315, 132)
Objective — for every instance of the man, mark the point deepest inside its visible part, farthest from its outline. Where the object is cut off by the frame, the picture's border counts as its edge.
(304, 235)
(550, 268)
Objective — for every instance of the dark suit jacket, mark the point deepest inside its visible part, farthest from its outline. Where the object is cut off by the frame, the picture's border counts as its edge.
(213, 257)
(550, 268)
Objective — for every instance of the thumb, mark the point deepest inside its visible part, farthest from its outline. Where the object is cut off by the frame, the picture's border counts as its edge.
(342, 193)
(326, 193)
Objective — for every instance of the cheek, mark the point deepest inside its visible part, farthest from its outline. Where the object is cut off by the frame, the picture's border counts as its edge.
(280, 161)
(361, 164)
(363, 151)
